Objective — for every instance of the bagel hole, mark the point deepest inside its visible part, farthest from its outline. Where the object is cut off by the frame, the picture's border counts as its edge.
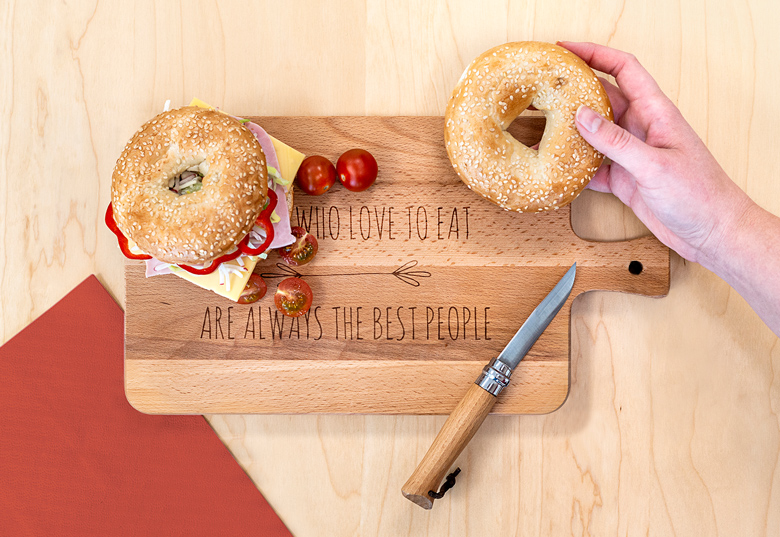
(187, 182)
(528, 127)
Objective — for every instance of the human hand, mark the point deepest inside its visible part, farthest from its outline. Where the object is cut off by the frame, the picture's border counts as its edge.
(660, 167)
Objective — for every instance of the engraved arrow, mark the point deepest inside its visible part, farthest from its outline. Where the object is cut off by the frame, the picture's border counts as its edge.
(403, 273)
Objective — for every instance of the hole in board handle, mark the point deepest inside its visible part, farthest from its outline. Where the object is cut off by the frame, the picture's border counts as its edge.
(635, 268)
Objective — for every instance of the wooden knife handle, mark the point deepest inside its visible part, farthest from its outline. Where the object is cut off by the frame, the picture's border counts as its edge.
(453, 437)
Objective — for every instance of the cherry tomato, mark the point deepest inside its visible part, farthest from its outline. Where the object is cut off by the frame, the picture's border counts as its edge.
(255, 290)
(293, 297)
(302, 250)
(357, 169)
(316, 175)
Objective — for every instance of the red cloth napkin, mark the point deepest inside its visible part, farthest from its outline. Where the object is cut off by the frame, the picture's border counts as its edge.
(77, 459)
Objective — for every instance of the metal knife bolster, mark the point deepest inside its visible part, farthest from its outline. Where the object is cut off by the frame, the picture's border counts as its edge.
(495, 377)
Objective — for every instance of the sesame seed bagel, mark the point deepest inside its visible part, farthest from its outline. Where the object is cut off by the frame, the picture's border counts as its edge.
(198, 227)
(492, 92)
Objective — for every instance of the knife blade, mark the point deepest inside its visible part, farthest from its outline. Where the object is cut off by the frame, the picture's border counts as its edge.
(472, 410)
(539, 319)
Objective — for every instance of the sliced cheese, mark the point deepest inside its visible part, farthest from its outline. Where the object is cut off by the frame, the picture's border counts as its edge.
(289, 162)
(211, 281)
(200, 104)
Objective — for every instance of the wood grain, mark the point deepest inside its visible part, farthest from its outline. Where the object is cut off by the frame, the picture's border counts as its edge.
(448, 280)
(671, 425)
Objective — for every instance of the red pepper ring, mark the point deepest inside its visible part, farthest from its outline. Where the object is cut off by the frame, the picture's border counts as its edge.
(264, 221)
(120, 237)
(216, 263)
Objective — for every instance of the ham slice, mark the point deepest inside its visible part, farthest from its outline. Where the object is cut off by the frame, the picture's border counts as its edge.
(265, 142)
(282, 230)
(156, 268)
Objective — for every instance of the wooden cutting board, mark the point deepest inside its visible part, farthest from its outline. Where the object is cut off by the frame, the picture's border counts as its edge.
(417, 284)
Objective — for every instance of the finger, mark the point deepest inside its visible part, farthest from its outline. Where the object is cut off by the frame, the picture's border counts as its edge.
(600, 181)
(622, 147)
(616, 98)
(632, 78)
(622, 184)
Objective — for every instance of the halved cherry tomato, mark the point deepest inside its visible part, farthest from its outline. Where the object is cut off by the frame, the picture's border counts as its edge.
(254, 290)
(293, 297)
(357, 169)
(316, 175)
(302, 250)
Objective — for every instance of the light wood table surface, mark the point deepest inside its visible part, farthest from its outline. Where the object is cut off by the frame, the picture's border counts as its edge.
(671, 425)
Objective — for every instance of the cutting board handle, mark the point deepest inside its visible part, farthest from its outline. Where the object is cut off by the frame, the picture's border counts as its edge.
(455, 434)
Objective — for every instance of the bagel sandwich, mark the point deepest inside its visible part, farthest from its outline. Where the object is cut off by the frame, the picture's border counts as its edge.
(203, 195)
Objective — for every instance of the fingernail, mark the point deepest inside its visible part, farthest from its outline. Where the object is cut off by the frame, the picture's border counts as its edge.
(589, 119)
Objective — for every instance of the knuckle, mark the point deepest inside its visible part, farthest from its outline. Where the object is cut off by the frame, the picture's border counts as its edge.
(660, 106)
(659, 165)
(619, 139)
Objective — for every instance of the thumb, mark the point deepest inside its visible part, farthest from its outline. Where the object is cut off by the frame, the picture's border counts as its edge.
(614, 141)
